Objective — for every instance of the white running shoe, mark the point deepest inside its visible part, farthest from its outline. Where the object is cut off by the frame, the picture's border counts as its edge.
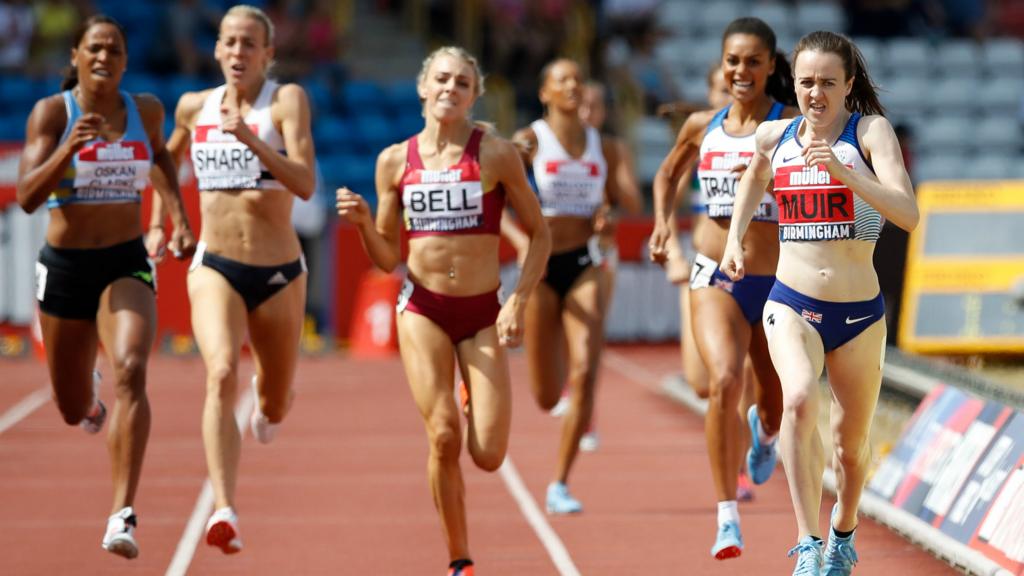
(262, 429)
(561, 407)
(590, 442)
(222, 531)
(93, 423)
(120, 536)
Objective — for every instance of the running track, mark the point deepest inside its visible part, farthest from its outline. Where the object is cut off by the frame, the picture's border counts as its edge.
(342, 490)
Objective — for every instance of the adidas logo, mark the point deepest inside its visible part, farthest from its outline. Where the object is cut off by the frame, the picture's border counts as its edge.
(277, 278)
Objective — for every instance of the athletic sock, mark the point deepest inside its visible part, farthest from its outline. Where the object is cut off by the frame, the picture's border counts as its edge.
(842, 534)
(728, 512)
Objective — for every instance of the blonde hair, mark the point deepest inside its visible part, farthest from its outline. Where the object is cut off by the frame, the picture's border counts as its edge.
(256, 14)
(457, 52)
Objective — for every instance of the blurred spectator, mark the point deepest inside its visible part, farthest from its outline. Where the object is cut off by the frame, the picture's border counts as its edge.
(291, 51)
(193, 27)
(326, 41)
(51, 47)
(17, 23)
(650, 75)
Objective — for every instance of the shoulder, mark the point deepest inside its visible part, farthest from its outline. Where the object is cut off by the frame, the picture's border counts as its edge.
(494, 148)
(696, 125)
(874, 124)
(149, 106)
(393, 157)
(612, 146)
(769, 133)
(790, 112)
(289, 94)
(190, 103)
(50, 114)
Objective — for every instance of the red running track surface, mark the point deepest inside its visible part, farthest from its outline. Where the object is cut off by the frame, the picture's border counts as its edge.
(342, 490)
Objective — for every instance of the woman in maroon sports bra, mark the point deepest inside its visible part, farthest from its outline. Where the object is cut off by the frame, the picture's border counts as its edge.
(448, 185)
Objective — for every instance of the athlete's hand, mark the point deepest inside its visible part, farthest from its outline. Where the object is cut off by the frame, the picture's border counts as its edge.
(232, 122)
(183, 242)
(154, 241)
(819, 153)
(510, 322)
(353, 207)
(658, 243)
(85, 129)
(732, 261)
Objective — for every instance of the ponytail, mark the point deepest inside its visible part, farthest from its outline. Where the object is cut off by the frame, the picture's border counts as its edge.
(780, 83)
(863, 95)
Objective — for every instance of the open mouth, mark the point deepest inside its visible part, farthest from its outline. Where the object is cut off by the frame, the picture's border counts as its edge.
(102, 72)
(819, 108)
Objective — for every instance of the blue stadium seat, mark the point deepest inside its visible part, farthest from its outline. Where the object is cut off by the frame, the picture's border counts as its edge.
(360, 97)
(319, 99)
(334, 134)
(355, 171)
(12, 128)
(137, 82)
(402, 96)
(18, 94)
(375, 130)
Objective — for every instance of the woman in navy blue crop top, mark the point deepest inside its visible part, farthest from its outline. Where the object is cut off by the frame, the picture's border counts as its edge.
(89, 153)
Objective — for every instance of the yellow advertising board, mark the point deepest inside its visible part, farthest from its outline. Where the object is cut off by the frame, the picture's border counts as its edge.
(965, 270)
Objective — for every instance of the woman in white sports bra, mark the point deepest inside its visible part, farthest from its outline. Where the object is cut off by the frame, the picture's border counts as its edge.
(726, 315)
(837, 171)
(89, 153)
(564, 324)
(252, 154)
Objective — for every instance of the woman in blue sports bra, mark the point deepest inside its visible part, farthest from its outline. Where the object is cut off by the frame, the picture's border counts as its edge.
(726, 315)
(837, 170)
(89, 153)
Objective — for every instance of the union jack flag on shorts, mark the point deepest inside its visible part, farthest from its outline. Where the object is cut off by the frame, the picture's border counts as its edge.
(811, 316)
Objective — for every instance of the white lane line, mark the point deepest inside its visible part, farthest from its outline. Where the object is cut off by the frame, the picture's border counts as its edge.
(21, 410)
(204, 504)
(552, 543)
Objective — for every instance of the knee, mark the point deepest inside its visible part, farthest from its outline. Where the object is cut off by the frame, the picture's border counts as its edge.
(489, 460)
(72, 413)
(445, 442)
(851, 454)
(800, 408)
(221, 380)
(548, 397)
(130, 375)
(724, 386)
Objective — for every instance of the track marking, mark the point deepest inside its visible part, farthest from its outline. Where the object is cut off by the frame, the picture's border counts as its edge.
(535, 518)
(193, 533)
(22, 409)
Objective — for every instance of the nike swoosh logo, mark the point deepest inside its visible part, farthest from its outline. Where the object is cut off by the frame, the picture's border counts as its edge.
(855, 320)
(791, 158)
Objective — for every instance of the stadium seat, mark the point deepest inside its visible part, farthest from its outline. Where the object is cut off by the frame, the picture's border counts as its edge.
(677, 16)
(18, 93)
(359, 97)
(953, 96)
(958, 58)
(402, 96)
(779, 16)
(713, 17)
(811, 16)
(940, 167)
(990, 167)
(994, 135)
(946, 134)
(874, 54)
(908, 53)
(1003, 55)
(12, 128)
(1002, 95)
(903, 95)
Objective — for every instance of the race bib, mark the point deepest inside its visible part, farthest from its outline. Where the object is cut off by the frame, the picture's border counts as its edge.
(221, 162)
(439, 201)
(813, 205)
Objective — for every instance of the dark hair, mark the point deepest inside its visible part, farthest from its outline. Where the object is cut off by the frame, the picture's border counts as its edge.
(70, 79)
(780, 83)
(863, 95)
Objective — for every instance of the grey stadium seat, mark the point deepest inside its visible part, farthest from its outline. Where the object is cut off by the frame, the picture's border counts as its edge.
(811, 16)
(940, 167)
(1002, 56)
(958, 58)
(952, 134)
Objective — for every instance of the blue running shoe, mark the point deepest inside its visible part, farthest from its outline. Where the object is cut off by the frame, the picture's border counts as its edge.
(760, 459)
(559, 501)
(728, 542)
(808, 561)
(840, 555)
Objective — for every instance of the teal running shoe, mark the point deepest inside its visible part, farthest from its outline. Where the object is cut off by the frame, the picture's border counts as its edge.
(808, 561)
(840, 555)
(559, 501)
(728, 542)
(760, 459)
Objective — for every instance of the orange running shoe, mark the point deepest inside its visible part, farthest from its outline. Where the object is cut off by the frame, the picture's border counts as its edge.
(222, 531)
(464, 398)
(744, 488)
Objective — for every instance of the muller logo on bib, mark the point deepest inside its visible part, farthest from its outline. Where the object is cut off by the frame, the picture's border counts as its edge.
(813, 206)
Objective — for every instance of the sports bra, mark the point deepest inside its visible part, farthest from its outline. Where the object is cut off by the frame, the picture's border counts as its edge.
(813, 205)
(219, 160)
(720, 153)
(568, 186)
(450, 201)
(103, 172)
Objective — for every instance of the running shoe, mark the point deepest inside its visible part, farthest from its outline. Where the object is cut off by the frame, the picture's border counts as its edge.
(840, 555)
(559, 501)
(262, 429)
(561, 407)
(590, 441)
(222, 531)
(120, 535)
(460, 568)
(760, 459)
(808, 561)
(744, 488)
(93, 422)
(728, 542)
